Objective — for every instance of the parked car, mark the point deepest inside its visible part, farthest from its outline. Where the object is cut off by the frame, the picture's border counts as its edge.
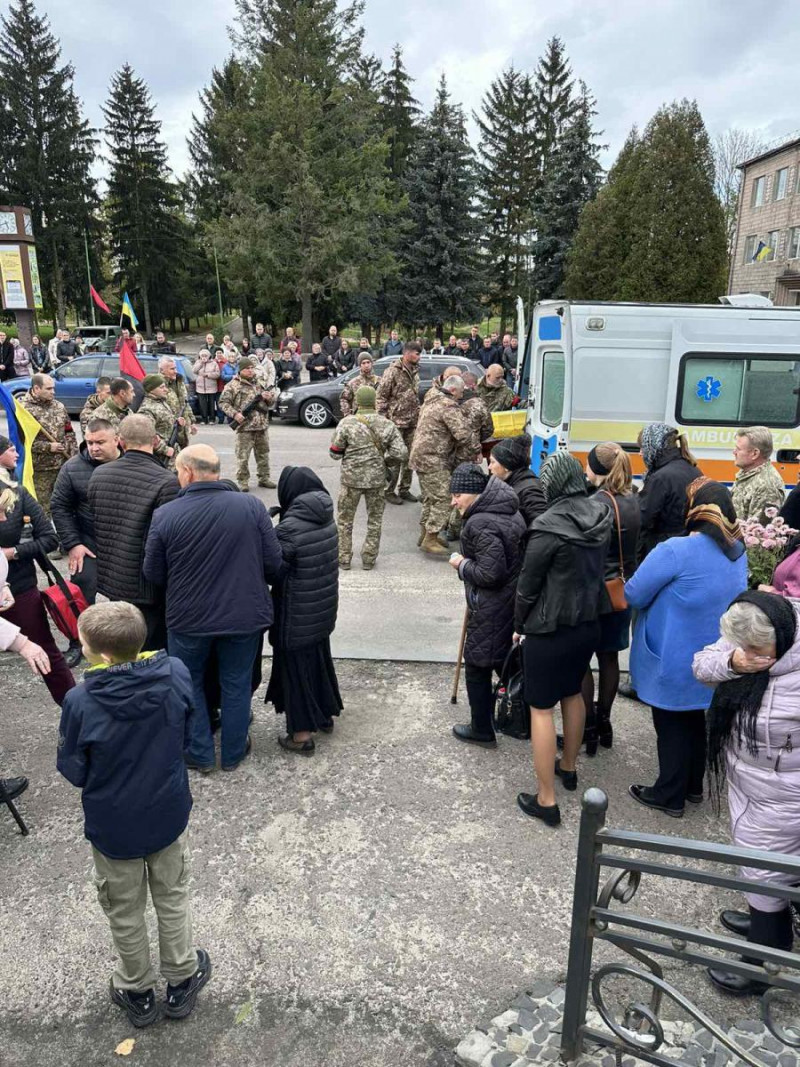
(317, 405)
(75, 381)
(98, 338)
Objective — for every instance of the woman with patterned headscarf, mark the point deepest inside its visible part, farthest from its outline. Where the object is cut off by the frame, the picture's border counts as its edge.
(557, 607)
(670, 469)
(680, 591)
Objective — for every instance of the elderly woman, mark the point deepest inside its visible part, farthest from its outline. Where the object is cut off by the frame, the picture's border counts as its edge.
(680, 591)
(754, 743)
(558, 602)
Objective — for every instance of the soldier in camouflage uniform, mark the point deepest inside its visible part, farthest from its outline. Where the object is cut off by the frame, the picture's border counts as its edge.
(365, 443)
(102, 392)
(443, 439)
(398, 400)
(347, 401)
(56, 444)
(252, 430)
(178, 398)
(118, 405)
(480, 419)
(493, 391)
(157, 406)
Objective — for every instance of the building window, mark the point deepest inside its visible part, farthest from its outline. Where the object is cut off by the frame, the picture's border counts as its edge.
(740, 391)
(750, 243)
(794, 243)
(759, 188)
(773, 240)
(780, 183)
(552, 410)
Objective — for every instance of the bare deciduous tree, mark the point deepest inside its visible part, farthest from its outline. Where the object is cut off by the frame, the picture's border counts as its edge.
(732, 148)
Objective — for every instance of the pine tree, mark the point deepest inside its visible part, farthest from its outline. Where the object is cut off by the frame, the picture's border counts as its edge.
(52, 145)
(553, 101)
(441, 279)
(572, 179)
(400, 114)
(507, 175)
(141, 199)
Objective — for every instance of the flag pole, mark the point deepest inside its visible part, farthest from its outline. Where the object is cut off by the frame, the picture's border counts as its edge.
(89, 277)
(219, 289)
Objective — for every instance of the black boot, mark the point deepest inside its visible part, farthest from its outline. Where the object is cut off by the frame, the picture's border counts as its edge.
(590, 731)
(605, 731)
(770, 928)
(467, 732)
(73, 654)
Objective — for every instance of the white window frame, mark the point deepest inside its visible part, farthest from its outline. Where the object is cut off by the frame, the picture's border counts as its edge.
(780, 190)
(750, 245)
(774, 245)
(794, 243)
(759, 190)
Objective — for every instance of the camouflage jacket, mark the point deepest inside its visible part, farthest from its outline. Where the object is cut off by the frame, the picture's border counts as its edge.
(499, 398)
(89, 411)
(363, 443)
(265, 373)
(479, 417)
(398, 395)
(755, 489)
(443, 438)
(111, 413)
(347, 400)
(163, 415)
(52, 416)
(178, 398)
(236, 395)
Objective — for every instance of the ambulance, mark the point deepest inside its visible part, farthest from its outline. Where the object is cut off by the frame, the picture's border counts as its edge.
(594, 371)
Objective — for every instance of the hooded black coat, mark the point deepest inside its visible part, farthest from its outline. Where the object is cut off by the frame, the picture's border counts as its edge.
(491, 542)
(532, 501)
(306, 595)
(663, 499)
(561, 583)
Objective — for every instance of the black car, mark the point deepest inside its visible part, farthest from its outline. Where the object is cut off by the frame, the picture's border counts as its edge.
(317, 405)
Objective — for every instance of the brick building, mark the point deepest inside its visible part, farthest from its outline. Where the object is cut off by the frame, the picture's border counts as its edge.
(769, 212)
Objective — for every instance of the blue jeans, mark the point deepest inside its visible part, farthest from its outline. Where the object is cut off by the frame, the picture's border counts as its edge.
(236, 654)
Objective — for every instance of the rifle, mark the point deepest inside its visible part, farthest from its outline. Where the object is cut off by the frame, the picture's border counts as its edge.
(252, 406)
(173, 437)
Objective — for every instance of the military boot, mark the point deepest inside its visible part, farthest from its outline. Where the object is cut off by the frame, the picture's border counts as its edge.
(421, 537)
(433, 546)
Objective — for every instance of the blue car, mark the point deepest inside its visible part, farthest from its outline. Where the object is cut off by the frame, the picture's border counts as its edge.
(76, 380)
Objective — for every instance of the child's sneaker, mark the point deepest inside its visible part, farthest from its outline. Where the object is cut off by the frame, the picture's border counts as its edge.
(181, 998)
(141, 1008)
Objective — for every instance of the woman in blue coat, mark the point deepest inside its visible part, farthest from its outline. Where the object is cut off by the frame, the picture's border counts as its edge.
(681, 590)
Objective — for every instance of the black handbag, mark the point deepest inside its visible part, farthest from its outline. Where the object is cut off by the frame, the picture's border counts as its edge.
(511, 714)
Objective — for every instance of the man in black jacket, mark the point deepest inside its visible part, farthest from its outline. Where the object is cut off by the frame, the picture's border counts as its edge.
(319, 365)
(332, 343)
(66, 349)
(123, 496)
(6, 358)
(72, 516)
(161, 346)
(261, 339)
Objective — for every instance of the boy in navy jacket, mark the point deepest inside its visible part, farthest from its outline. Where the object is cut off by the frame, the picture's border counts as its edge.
(122, 739)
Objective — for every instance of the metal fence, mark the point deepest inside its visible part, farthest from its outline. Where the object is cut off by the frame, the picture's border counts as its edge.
(604, 915)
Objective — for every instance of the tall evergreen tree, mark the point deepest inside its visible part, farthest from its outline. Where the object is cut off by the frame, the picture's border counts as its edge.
(141, 199)
(572, 179)
(400, 114)
(553, 101)
(441, 279)
(52, 144)
(507, 173)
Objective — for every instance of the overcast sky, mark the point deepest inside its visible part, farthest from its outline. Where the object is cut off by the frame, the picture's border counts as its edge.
(738, 58)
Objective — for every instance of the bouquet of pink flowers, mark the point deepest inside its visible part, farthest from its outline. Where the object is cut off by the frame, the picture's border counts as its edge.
(765, 545)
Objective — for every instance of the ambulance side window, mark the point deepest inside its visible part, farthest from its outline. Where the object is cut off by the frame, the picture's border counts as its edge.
(745, 391)
(552, 409)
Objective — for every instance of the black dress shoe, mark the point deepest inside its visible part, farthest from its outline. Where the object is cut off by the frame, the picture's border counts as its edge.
(327, 726)
(736, 984)
(626, 690)
(640, 793)
(738, 922)
(529, 803)
(465, 732)
(569, 779)
(695, 798)
(15, 786)
(73, 654)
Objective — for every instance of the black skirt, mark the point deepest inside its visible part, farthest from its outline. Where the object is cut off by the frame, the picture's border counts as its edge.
(555, 663)
(304, 687)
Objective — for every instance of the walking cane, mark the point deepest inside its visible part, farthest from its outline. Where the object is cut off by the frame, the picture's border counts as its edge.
(454, 694)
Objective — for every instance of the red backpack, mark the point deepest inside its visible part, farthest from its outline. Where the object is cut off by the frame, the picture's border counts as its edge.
(63, 600)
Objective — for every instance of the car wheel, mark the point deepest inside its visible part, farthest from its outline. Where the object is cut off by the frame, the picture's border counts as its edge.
(316, 414)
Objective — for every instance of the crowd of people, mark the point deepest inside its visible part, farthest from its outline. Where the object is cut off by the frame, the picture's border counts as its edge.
(562, 566)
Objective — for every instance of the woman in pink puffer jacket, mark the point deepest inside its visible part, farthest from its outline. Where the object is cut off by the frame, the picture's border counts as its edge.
(754, 743)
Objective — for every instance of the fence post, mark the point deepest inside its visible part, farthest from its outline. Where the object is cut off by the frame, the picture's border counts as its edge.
(587, 875)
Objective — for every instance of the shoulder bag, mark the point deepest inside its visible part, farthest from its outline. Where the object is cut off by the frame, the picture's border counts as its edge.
(615, 587)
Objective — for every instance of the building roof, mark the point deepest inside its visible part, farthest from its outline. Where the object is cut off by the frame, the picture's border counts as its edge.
(769, 152)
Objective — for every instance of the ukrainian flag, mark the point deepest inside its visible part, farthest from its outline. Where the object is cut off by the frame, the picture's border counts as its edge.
(761, 252)
(22, 429)
(127, 309)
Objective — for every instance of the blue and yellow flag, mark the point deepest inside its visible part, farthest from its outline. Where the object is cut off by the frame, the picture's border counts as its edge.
(761, 252)
(22, 429)
(127, 309)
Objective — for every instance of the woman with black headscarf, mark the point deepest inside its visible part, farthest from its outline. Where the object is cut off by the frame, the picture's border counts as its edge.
(680, 592)
(558, 602)
(754, 743)
(303, 682)
(671, 468)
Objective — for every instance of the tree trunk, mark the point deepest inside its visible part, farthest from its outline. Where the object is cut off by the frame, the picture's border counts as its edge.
(148, 325)
(366, 331)
(307, 320)
(58, 288)
(246, 317)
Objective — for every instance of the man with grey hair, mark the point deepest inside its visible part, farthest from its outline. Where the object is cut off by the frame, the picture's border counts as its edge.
(758, 485)
(123, 495)
(443, 439)
(178, 399)
(230, 624)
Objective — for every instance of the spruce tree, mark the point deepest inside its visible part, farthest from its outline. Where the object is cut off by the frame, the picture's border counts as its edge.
(141, 199)
(441, 280)
(400, 113)
(52, 145)
(572, 179)
(553, 101)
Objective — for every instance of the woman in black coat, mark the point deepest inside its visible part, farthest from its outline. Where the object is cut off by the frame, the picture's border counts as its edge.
(511, 462)
(491, 543)
(303, 683)
(671, 468)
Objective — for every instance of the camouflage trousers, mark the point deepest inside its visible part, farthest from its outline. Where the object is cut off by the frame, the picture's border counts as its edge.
(349, 496)
(399, 475)
(435, 488)
(248, 441)
(43, 482)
